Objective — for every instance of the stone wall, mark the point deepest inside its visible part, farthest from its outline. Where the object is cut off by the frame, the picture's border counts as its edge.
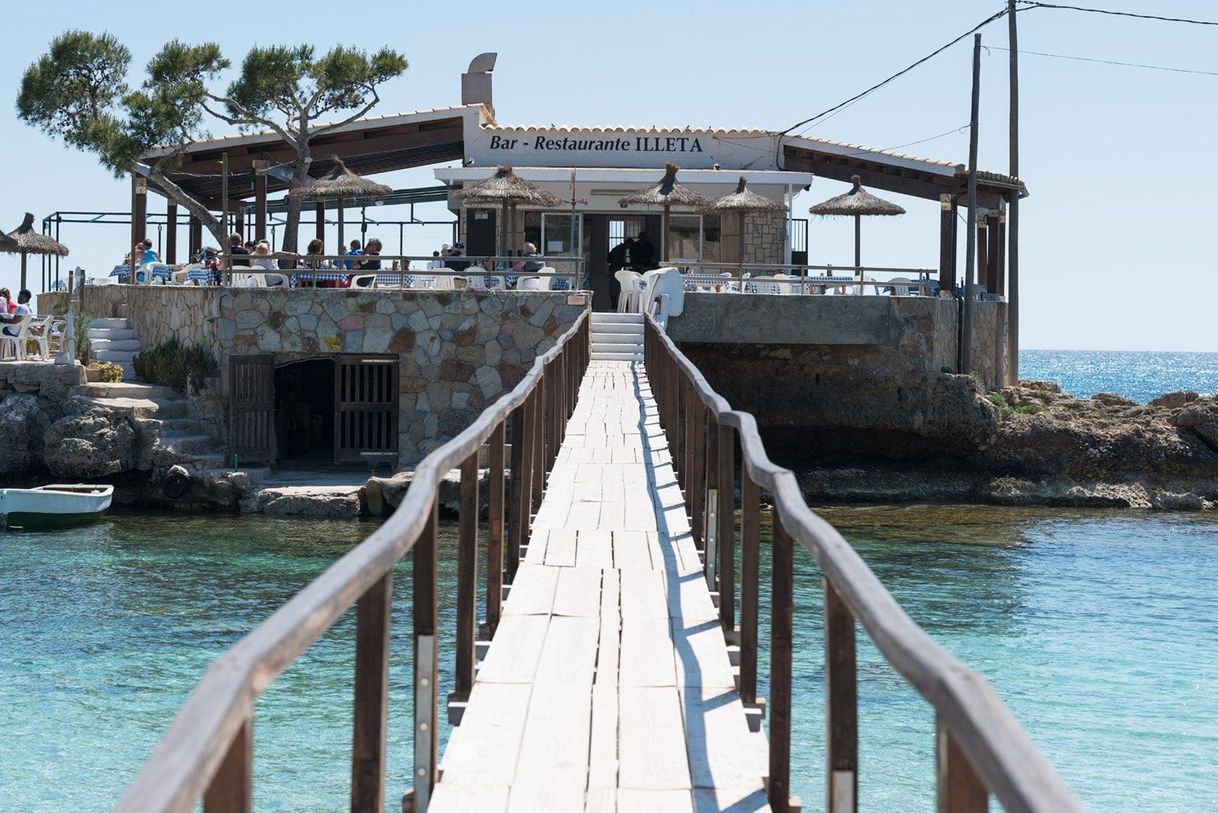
(765, 235)
(457, 351)
(854, 377)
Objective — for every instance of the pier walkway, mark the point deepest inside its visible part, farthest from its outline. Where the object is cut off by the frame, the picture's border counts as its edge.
(613, 488)
(608, 684)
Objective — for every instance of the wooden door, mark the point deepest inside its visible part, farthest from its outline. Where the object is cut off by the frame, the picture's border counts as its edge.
(251, 408)
(365, 407)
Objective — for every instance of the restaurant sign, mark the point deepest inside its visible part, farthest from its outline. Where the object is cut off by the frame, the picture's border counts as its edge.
(691, 149)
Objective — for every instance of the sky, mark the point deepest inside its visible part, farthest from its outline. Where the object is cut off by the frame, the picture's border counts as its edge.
(1117, 237)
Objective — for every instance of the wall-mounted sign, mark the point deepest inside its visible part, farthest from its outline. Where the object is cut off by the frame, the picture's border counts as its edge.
(691, 149)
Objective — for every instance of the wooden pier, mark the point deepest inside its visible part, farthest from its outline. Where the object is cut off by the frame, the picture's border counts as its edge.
(608, 684)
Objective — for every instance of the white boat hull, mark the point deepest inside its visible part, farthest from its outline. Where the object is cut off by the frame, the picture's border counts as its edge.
(54, 506)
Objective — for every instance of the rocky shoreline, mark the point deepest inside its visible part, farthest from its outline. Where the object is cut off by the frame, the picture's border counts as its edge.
(1034, 445)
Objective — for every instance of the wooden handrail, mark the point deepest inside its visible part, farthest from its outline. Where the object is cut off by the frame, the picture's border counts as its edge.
(977, 723)
(219, 709)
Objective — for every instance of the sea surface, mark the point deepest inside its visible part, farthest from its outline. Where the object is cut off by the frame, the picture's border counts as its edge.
(1099, 629)
(1134, 374)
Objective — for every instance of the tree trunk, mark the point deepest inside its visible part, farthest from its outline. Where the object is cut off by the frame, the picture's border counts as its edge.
(179, 196)
(291, 229)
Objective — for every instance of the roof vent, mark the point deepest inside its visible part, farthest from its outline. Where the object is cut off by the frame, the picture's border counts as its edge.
(476, 82)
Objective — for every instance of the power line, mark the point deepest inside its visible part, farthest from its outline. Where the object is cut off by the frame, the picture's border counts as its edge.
(996, 16)
(1112, 62)
(1036, 4)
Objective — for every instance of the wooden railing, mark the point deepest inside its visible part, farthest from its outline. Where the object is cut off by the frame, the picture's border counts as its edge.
(980, 748)
(207, 753)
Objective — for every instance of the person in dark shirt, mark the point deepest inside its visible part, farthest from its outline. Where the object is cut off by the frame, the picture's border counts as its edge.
(619, 258)
(238, 253)
(456, 258)
(372, 249)
(643, 254)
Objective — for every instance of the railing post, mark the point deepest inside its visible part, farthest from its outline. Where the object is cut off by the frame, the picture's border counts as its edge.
(538, 473)
(517, 487)
(467, 578)
(841, 706)
(494, 532)
(710, 547)
(695, 456)
(781, 620)
(231, 790)
(726, 531)
(426, 694)
(693, 412)
(958, 788)
(373, 615)
(553, 379)
(750, 575)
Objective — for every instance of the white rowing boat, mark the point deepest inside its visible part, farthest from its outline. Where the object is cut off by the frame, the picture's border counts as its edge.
(54, 506)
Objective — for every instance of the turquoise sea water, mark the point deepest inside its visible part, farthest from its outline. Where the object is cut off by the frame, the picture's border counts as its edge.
(1137, 375)
(1097, 628)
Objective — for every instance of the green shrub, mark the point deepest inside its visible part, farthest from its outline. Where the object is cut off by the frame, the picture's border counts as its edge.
(169, 364)
(109, 372)
(1028, 409)
(998, 400)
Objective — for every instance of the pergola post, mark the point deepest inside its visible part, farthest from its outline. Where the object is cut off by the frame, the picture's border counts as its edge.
(139, 208)
(993, 265)
(260, 168)
(320, 229)
(171, 231)
(195, 240)
(947, 242)
(983, 250)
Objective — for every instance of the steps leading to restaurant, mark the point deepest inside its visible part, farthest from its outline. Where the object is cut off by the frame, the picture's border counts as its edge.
(114, 341)
(617, 337)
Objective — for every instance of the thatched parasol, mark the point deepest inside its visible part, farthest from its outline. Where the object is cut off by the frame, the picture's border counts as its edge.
(25, 241)
(743, 202)
(667, 193)
(339, 184)
(506, 190)
(856, 203)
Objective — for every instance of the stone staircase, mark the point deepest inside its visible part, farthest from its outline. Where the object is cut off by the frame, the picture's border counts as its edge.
(114, 341)
(617, 336)
(182, 434)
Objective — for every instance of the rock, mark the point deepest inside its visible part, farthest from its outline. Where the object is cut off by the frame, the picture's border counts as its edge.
(305, 501)
(1174, 400)
(23, 423)
(1110, 400)
(93, 443)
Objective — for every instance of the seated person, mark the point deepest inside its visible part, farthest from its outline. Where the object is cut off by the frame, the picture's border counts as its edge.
(456, 258)
(262, 257)
(371, 249)
(144, 253)
(238, 253)
(354, 251)
(21, 308)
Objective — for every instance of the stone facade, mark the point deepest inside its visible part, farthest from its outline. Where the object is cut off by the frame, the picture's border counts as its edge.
(765, 236)
(457, 351)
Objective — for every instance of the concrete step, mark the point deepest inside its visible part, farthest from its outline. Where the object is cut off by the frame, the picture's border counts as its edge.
(170, 408)
(618, 327)
(121, 323)
(128, 370)
(111, 333)
(190, 444)
(99, 345)
(619, 318)
(115, 356)
(98, 389)
(616, 338)
(142, 409)
(617, 350)
(602, 356)
(182, 426)
(213, 460)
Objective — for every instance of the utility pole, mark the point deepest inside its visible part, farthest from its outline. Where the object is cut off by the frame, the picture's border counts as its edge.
(1013, 216)
(970, 256)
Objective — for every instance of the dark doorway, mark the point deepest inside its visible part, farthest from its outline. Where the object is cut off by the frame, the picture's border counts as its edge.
(304, 410)
(480, 232)
(602, 234)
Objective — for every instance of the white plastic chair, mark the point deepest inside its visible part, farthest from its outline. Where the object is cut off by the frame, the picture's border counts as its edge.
(248, 281)
(276, 280)
(19, 326)
(631, 296)
(533, 283)
(443, 284)
(786, 288)
(900, 286)
(364, 281)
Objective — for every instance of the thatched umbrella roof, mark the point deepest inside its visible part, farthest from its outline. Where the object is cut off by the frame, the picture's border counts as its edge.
(7, 242)
(24, 240)
(743, 200)
(668, 192)
(858, 201)
(506, 187)
(341, 182)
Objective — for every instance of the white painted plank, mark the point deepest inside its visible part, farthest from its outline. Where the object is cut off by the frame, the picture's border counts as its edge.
(532, 591)
(602, 752)
(578, 592)
(491, 730)
(594, 548)
(652, 740)
(552, 773)
(452, 798)
(515, 650)
(633, 800)
(648, 654)
(560, 548)
(630, 550)
(717, 736)
(643, 594)
(568, 656)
